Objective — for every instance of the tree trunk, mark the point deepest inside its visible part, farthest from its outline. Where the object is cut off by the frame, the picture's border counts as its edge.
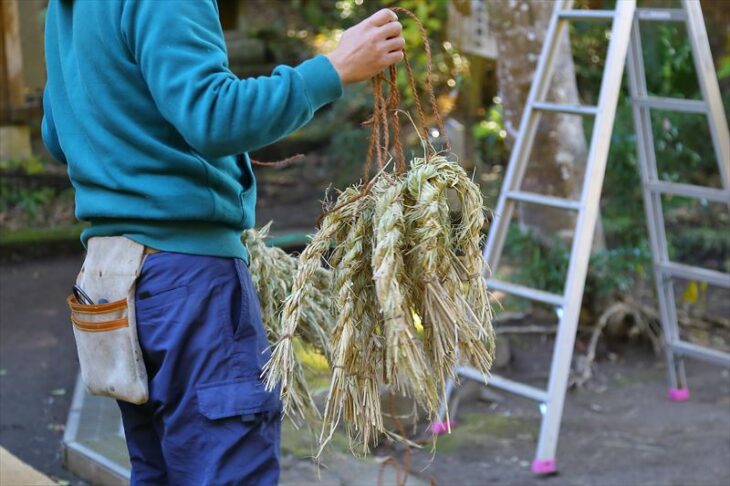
(11, 60)
(14, 136)
(558, 156)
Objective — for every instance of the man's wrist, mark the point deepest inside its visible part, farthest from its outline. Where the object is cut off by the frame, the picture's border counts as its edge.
(335, 61)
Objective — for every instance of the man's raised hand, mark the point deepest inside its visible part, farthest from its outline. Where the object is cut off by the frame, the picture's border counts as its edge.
(369, 47)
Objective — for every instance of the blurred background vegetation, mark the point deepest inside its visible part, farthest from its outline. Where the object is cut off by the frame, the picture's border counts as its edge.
(261, 34)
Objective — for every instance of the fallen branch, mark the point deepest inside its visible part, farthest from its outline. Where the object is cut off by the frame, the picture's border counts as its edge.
(645, 322)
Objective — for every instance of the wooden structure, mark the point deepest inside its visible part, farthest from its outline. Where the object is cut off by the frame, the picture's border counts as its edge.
(22, 74)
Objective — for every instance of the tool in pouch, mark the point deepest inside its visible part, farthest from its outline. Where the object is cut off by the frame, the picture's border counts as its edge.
(106, 333)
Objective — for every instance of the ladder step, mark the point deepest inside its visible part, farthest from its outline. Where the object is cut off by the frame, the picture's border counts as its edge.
(672, 104)
(505, 384)
(690, 190)
(526, 292)
(555, 202)
(661, 14)
(689, 272)
(593, 15)
(701, 353)
(571, 109)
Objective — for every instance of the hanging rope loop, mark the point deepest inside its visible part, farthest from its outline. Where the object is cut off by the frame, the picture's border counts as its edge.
(386, 112)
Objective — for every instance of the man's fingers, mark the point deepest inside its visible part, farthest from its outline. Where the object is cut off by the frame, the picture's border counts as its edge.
(393, 57)
(394, 44)
(392, 29)
(382, 17)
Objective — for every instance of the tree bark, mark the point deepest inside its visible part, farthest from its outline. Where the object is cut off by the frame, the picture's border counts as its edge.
(558, 156)
(11, 60)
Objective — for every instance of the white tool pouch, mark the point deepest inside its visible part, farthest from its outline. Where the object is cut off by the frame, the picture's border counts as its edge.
(106, 334)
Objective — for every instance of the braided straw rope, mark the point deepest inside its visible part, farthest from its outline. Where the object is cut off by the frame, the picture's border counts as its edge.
(351, 278)
(396, 258)
(283, 366)
(403, 350)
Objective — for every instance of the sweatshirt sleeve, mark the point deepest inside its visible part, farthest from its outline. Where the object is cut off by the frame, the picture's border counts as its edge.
(181, 52)
(48, 131)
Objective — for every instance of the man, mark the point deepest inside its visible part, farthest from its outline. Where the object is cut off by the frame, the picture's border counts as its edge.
(141, 105)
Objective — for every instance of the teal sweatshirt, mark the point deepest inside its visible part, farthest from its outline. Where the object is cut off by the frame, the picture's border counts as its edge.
(155, 128)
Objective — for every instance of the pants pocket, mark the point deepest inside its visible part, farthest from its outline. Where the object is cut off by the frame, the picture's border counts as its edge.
(244, 398)
(242, 424)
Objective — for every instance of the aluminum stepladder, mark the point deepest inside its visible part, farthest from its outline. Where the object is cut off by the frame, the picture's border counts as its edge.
(666, 271)
(624, 40)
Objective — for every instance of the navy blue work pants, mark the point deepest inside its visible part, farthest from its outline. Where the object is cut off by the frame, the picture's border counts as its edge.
(209, 420)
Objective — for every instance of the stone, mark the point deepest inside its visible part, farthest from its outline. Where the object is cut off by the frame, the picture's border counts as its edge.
(15, 142)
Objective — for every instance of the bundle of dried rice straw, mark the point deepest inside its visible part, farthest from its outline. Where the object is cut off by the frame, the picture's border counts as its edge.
(273, 272)
(406, 288)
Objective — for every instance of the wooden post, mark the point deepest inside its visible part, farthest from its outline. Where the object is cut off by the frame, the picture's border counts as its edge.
(32, 36)
(14, 139)
(11, 67)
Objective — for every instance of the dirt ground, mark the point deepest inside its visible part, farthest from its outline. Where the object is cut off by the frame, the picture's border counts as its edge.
(620, 430)
(38, 364)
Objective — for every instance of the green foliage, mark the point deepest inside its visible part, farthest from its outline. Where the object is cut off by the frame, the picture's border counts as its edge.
(723, 70)
(489, 136)
(537, 265)
(588, 43)
(28, 200)
(320, 22)
(541, 266)
(348, 148)
(681, 140)
(698, 245)
(622, 209)
(697, 232)
(22, 206)
(31, 236)
(669, 69)
(331, 17)
(30, 166)
(683, 154)
(618, 271)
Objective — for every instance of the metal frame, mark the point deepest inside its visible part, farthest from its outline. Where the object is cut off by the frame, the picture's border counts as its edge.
(92, 464)
(665, 271)
(624, 40)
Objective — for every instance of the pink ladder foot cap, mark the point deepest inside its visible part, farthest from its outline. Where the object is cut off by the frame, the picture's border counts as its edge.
(544, 467)
(440, 428)
(679, 394)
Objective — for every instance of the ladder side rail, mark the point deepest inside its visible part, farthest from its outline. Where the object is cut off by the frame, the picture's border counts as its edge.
(586, 223)
(707, 79)
(670, 301)
(646, 153)
(652, 201)
(523, 145)
(525, 137)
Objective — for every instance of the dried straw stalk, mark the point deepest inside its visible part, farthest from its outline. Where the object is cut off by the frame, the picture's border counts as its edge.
(395, 252)
(273, 273)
